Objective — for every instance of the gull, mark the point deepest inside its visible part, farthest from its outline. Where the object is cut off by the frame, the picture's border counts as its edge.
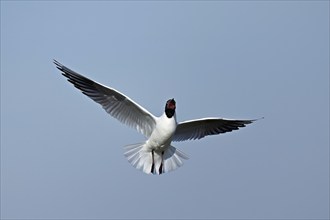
(156, 155)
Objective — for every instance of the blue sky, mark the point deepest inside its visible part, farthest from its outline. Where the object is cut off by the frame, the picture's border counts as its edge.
(62, 155)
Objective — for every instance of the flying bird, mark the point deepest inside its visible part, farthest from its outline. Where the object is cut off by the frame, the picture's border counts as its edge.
(156, 155)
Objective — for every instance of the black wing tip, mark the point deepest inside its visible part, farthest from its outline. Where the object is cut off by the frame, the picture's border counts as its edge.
(243, 123)
(68, 73)
(257, 119)
(58, 65)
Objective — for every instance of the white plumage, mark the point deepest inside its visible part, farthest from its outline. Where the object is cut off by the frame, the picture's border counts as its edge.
(156, 155)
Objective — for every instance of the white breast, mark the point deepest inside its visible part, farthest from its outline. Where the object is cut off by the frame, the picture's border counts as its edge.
(161, 137)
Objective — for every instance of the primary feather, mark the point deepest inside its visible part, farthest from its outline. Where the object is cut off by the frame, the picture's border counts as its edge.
(199, 128)
(115, 103)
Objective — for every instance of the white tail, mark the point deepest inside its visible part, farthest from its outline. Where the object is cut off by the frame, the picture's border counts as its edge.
(141, 159)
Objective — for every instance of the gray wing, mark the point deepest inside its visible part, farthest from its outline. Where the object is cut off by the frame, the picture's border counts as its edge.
(113, 102)
(197, 129)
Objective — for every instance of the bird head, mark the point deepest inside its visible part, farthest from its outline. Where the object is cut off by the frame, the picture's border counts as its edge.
(170, 108)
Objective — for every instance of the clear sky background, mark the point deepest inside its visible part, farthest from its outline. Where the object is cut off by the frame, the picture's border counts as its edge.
(62, 155)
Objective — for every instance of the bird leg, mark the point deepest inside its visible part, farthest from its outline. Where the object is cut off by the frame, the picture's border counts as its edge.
(153, 162)
(161, 165)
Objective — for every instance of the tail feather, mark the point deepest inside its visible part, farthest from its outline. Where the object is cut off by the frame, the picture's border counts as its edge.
(141, 159)
(137, 156)
(173, 158)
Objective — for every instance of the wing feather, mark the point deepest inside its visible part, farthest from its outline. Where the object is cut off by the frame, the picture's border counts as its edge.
(197, 129)
(113, 102)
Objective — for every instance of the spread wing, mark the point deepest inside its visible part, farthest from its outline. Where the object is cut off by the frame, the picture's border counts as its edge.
(199, 128)
(115, 103)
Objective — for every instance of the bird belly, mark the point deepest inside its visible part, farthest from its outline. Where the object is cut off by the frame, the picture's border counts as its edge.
(159, 141)
(161, 137)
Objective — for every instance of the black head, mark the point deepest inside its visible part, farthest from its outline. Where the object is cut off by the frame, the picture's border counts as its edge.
(170, 108)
